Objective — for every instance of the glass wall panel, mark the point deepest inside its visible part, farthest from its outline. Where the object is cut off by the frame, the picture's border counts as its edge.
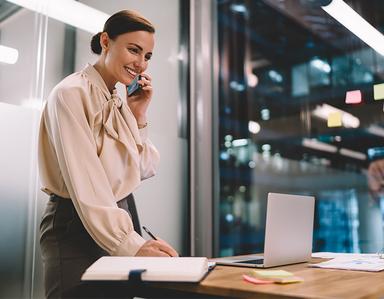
(21, 44)
(300, 112)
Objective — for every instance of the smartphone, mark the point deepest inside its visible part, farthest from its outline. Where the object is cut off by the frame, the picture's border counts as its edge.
(134, 86)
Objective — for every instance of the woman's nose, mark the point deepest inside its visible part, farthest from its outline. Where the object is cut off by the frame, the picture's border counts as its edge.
(139, 62)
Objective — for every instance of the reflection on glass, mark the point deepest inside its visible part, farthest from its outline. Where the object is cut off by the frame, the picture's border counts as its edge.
(19, 113)
(86, 18)
(281, 134)
(8, 55)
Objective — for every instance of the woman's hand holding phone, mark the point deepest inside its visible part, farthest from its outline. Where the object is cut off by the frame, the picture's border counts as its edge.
(139, 100)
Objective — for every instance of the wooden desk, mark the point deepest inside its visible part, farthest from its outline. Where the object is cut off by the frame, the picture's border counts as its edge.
(225, 281)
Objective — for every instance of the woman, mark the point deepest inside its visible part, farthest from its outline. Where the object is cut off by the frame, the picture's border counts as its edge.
(93, 152)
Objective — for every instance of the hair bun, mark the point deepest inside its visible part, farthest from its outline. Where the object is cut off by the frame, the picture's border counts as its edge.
(95, 44)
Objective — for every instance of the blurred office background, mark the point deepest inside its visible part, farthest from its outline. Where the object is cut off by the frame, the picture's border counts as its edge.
(244, 91)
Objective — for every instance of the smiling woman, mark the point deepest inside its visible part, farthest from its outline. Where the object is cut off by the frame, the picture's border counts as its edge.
(93, 152)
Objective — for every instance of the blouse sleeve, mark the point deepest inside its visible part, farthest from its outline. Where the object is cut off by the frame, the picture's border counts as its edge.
(149, 157)
(85, 178)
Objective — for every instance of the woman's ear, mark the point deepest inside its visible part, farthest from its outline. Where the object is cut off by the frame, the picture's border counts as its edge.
(104, 41)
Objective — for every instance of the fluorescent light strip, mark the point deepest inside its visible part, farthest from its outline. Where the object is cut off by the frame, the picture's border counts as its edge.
(8, 55)
(323, 111)
(376, 130)
(70, 12)
(356, 24)
(353, 154)
(318, 145)
(239, 142)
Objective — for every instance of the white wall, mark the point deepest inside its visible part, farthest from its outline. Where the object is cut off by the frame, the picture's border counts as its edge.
(161, 199)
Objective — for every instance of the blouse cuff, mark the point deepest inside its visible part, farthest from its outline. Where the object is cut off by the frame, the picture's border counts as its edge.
(130, 245)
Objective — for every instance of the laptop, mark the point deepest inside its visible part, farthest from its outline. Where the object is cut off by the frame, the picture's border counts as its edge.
(288, 233)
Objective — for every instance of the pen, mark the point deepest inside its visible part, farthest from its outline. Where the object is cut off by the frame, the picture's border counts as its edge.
(149, 233)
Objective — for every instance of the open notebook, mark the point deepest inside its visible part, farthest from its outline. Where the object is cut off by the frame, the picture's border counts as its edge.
(178, 269)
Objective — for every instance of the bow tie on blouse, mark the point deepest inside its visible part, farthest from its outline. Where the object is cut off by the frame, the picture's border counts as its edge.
(120, 123)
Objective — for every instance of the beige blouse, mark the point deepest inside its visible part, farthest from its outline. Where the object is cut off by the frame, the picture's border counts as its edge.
(91, 150)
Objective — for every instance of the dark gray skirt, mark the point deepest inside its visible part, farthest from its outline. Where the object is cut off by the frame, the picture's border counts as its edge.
(66, 247)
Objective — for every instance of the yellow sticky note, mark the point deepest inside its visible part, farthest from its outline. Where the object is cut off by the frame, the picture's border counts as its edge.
(334, 119)
(378, 91)
(272, 273)
(285, 280)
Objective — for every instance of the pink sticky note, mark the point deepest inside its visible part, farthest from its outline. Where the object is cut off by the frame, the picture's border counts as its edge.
(353, 97)
(255, 280)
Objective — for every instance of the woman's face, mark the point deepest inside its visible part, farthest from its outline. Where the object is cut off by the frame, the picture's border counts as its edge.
(128, 55)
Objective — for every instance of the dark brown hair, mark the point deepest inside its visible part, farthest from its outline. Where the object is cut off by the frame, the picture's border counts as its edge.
(119, 23)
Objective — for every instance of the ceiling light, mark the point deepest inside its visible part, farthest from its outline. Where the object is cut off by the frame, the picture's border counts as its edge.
(224, 156)
(266, 147)
(318, 145)
(375, 152)
(229, 217)
(353, 154)
(275, 76)
(356, 24)
(265, 114)
(239, 8)
(348, 120)
(337, 138)
(237, 86)
(376, 130)
(253, 127)
(321, 65)
(8, 55)
(239, 142)
(70, 12)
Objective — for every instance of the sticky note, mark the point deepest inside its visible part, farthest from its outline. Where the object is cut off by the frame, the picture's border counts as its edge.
(272, 273)
(334, 119)
(378, 91)
(353, 97)
(255, 280)
(284, 280)
(276, 276)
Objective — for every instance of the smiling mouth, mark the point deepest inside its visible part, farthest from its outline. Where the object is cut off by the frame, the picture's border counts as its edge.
(131, 72)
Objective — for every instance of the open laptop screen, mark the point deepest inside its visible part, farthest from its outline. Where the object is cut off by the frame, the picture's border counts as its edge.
(288, 233)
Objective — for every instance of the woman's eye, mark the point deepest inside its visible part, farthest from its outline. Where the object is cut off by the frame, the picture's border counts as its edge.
(148, 57)
(133, 50)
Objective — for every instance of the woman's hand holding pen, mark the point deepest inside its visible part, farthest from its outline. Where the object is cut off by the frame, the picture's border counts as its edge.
(157, 248)
(139, 101)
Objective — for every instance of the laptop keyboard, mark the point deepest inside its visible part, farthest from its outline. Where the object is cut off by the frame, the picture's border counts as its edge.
(255, 262)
